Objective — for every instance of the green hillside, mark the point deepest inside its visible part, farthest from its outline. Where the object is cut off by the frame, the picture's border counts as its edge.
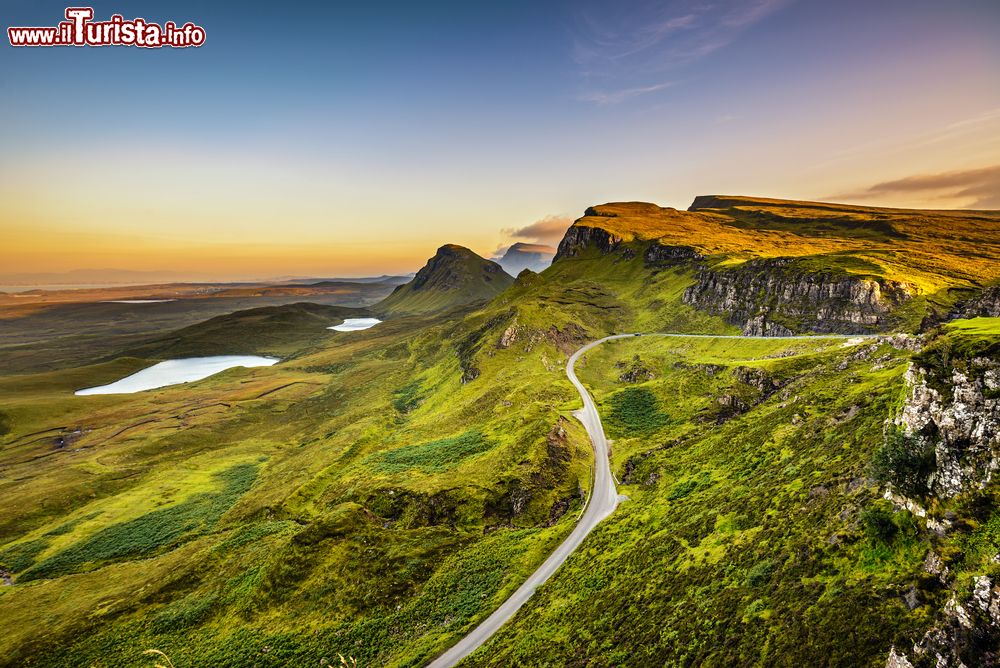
(782, 266)
(378, 493)
(272, 330)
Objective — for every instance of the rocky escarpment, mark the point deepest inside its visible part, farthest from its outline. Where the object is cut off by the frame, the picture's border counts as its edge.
(579, 238)
(984, 305)
(658, 255)
(777, 297)
(948, 447)
(968, 635)
(958, 417)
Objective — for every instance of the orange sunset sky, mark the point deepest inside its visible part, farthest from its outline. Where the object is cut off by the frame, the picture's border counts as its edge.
(360, 153)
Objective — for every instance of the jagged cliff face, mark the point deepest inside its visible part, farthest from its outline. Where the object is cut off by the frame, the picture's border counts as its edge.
(984, 305)
(959, 417)
(776, 267)
(774, 297)
(579, 238)
(952, 411)
(764, 297)
(972, 623)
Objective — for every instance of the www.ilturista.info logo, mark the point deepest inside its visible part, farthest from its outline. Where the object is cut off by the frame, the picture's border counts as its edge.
(79, 29)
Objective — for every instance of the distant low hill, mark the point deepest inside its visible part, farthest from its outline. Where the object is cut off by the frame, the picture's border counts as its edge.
(384, 278)
(274, 330)
(521, 256)
(453, 277)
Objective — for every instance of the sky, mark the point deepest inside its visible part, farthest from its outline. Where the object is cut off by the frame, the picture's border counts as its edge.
(338, 139)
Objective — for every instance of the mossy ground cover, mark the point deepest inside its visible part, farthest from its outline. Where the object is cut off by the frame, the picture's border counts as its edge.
(634, 411)
(742, 542)
(373, 527)
(437, 455)
(153, 531)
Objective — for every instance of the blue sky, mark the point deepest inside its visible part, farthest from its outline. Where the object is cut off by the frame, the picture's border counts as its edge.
(356, 138)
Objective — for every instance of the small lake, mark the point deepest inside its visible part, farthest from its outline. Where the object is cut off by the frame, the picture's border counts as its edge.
(137, 301)
(355, 324)
(175, 372)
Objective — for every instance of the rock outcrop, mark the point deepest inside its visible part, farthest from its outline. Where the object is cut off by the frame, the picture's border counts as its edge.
(968, 635)
(578, 238)
(635, 371)
(777, 297)
(959, 417)
(952, 412)
(659, 255)
(984, 305)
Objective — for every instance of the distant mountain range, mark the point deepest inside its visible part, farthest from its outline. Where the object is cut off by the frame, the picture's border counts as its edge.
(94, 277)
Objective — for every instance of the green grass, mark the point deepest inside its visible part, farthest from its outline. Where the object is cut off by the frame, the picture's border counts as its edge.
(454, 277)
(150, 532)
(20, 556)
(394, 506)
(325, 540)
(408, 397)
(723, 555)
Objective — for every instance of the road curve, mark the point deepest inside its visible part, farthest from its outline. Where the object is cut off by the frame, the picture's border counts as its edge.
(602, 502)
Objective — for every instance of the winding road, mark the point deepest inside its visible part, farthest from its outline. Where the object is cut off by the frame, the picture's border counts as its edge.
(603, 500)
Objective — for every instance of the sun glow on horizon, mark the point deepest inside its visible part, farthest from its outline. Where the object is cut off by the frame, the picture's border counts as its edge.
(362, 154)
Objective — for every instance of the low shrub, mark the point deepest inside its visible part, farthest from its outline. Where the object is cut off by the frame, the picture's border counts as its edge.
(878, 524)
(905, 462)
(635, 410)
(436, 455)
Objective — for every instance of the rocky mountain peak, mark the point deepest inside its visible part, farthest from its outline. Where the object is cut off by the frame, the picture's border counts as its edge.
(454, 276)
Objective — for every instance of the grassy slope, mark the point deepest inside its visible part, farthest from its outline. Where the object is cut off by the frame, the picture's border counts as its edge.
(322, 430)
(342, 546)
(741, 543)
(337, 546)
(272, 330)
(65, 335)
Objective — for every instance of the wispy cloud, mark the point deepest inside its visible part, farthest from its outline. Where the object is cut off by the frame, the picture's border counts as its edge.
(965, 129)
(548, 230)
(976, 188)
(624, 50)
(545, 233)
(616, 96)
